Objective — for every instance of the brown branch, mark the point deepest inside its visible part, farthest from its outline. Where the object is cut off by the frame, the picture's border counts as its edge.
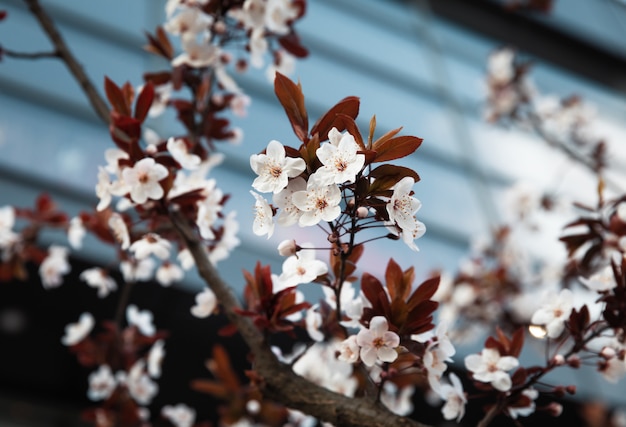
(279, 381)
(28, 55)
(98, 104)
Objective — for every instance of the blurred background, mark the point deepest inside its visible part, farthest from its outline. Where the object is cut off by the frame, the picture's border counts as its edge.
(414, 63)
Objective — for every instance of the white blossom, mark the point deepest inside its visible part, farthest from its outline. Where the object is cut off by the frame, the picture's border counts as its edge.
(98, 278)
(75, 233)
(349, 350)
(101, 383)
(228, 241)
(402, 208)
(139, 384)
(206, 303)
(137, 270)
(142, 319)
(169, 273)
(524, 411)
(263, 217)
(197, 55)
(313, 322)
(180, 415)
(603, 280)
(289, 213)
(318, 203)
(180, 152)
(151, 244)
(490, 367)
(339, 158)
(76, 332)
(54, 266)
(143, 180)
(302, 267)
(7, 222)
(120, 230)
(155, 358)
(274, 168)
(554, 312)
(453, 395)
(377, 343)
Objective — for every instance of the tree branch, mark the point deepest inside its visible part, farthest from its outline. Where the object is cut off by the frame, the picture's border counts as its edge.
(28, 55)
(279, 381)
(98, 104)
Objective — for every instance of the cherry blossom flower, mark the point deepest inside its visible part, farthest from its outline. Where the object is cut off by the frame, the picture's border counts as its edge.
(284, 63)
(99, 279)
(524, 411)
(490, 367)
(151, 244)
(188, 23)
(402, 208)
(302, 267)
(101, 383)
(143, 180)
(377, 343)
(554, 312)
(139, 384)
(289, 213)
(186, 259)
(142, 319)
(278, 13)
(274, 169)
(137, 270)
(76, 232)
(239, 105)
(318, 203)
(349, 350)
(453, 395)
(155, 358)
(76, 332)
(500, 66)
(602, 281)
(209, 211)
(106, 189)
(439, 350)
(54, 266)
(228, 241)
(169, 273)
(120, 230)
(180, 152)
(180, 415)
(162, 95)
(397, 401)
(113, 157)
(313, 321)
(339, 158)
(206, 303)
(263, 222)
(197, 55)
(352, 305)
(7, 222)
(320, 366)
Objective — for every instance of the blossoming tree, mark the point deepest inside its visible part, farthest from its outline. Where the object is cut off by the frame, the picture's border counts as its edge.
(372, 342)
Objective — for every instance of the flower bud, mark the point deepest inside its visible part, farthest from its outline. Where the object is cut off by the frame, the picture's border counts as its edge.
(362, 212)
(558, 360)
(608, 352)
(555, 409)
(288, 248)
(571, 389)
(573, 361)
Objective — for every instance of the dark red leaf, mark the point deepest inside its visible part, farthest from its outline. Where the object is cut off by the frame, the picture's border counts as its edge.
(116, 97)
(424, 291)
(348, 106)
(396, 148)
(144, 101)
(291, 98)
(291, 43)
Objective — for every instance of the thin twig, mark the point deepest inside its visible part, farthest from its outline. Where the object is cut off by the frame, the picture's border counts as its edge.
(28, 55)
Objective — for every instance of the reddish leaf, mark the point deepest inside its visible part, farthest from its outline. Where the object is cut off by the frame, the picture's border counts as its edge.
(144, 101)
(370, 137)
(348, 106)
(213, 388)
(220, 367)
(396, 148)
(291, 43)
(517, 342)
(158, 78)
(159, 44)
(424, 292)
(372, 289)
(116, 97)
(383, 139)
(388, 175)
(291, 98)
(393, 279)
